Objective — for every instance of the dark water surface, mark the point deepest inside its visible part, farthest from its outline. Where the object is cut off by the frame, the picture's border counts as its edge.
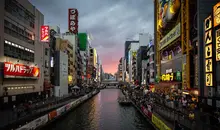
(102, 112)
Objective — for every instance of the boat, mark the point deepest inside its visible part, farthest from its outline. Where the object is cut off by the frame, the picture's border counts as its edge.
(124, 101)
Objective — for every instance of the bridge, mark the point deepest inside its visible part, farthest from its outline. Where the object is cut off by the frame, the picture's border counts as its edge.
(110, 82)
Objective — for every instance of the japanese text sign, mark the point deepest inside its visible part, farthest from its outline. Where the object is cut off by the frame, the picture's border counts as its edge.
(217, 45)
(73, 20)
(216, 14)
(45, 35)
(19, 70)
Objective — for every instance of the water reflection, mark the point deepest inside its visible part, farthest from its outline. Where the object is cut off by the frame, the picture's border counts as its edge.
(102, 112)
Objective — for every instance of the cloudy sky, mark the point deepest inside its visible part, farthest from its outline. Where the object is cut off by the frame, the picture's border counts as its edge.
(110, 22)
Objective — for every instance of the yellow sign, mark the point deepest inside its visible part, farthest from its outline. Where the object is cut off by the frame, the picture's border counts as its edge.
(208, 65)
(216, 14)
(167, 77)
(208, 79)
(208, 37)
(208, 23)
(217, 38)
(159, 124)
(170, 37)
(208, 51)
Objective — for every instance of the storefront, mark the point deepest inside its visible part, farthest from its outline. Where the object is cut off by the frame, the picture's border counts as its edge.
(171, 80)
(19, 82)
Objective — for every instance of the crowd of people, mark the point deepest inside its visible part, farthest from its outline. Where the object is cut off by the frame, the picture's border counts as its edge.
(174, 100)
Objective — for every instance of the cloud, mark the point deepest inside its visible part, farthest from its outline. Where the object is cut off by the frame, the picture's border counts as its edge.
(110, 22)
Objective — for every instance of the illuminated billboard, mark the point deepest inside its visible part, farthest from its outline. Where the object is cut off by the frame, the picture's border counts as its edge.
(216, 14)
(167, 10)
(73, 20)
(45, 36)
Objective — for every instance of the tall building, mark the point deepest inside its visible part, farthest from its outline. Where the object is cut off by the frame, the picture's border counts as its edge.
(83, 41)
(92, 65)
(20, 50)
(132, 61)
(176, 45)
(151, 67)
(61, 87)
(70, 63)
(207, 67)
(141, 59)
(120, 72)
(124, 70)
(73, 41)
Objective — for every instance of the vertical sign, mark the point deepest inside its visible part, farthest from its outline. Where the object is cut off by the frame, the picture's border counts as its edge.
(217, 39)
(73, 20)
(44, 34)
(208, 51)
(216, 14)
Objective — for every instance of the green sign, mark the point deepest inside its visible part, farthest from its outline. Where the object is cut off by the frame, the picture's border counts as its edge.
(178, 76)
(82, 41)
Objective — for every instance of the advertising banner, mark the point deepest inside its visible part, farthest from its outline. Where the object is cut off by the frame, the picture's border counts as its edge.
(45, 35)
(146, 112)
(35, 123)
(61, 110)
(216, 14)
(52, 115)
(25, 127)
(39, 122)
(170, 37)
(68, 106)
(20, 71)
(73, 20)
(217, 39)
(159, 124)
(167, 10)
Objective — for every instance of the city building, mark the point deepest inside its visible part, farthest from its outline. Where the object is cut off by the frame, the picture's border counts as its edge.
(174, 46)
(120, 73)
(124, 70)
(141, 60)
(126, 56)
(20, 50)
(61, 86)
(70, 63)
(207, 76)
(73, 41)
(92, 65)
(79, 61)
(132, 61)
(151, 67)
(83, 41)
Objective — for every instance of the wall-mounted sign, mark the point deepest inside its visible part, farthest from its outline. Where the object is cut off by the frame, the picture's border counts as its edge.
(208, 23)
(73, 20)
(208, 37)
(177, 76)
(216, 14)
(217, 39)
(170, 37)
(45, 37)
(208, 65)
(20, 71)
(209, 79)
(208, 51)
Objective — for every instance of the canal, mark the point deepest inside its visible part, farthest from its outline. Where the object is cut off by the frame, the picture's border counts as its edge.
(102, 112)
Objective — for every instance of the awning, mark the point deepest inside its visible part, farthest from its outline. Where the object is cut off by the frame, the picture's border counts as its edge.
(75, 87)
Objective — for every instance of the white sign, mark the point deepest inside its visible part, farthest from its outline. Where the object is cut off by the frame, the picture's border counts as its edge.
(61, 110)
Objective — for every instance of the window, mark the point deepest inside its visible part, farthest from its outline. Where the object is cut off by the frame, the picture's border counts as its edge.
(46, 51)
(46, 64)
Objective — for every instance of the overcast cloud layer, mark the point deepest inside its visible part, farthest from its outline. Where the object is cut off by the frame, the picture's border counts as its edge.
(110, 22)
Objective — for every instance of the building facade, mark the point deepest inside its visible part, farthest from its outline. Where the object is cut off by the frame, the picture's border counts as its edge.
(73, 41)
(20, 48)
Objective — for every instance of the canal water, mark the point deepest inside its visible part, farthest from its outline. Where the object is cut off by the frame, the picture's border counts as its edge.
(102, 112)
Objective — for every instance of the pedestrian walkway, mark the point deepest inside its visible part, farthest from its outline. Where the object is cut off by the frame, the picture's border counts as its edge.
(10, 116)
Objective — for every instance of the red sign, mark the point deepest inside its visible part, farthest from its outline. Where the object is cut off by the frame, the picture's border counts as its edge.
(18, 70)
(73, 20)
(146, 112)
(45, 35)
